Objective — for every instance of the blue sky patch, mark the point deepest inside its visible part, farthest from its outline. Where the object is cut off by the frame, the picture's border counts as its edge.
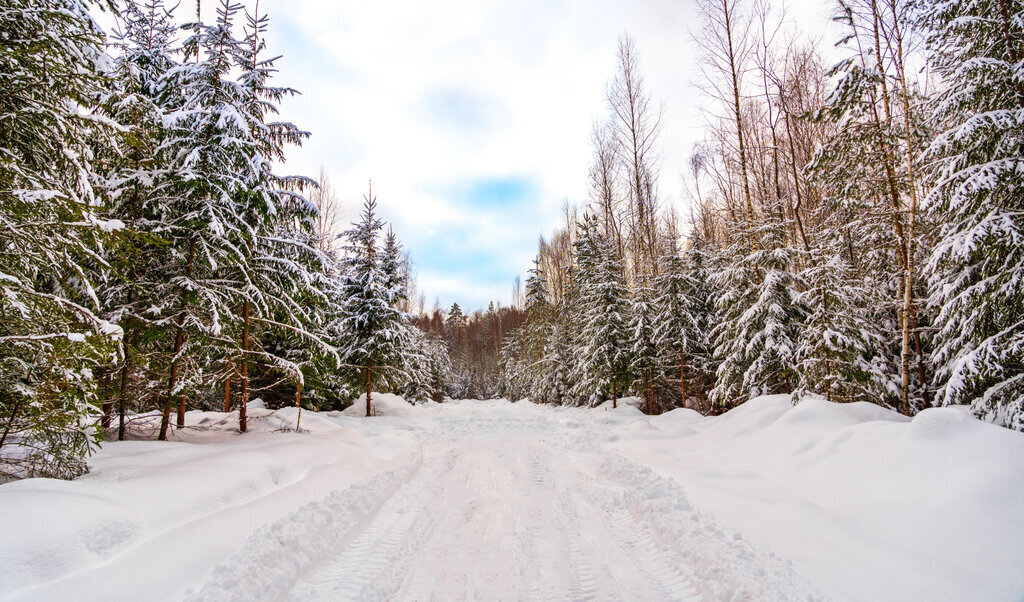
(494, 193)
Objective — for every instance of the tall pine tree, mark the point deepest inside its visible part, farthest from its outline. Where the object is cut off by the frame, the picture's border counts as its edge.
(51, 336)
(977, 269)
(374, 331)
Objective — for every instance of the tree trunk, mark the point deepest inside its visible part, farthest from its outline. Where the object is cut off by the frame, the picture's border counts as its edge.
(124, 391)
(227, 395)
(179, 340)
(298, 405)
(244, 401)
(796, 188)
(739, 121)
(614, 401)
(108, 402)
(125, 369)
(682, 375)
(908, 291)
(165, 419)
(10, 423)
(368, 409)
(650, 395)
(181, 411)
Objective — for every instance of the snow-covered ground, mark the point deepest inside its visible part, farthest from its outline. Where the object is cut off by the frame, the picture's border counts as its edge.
(490, 500)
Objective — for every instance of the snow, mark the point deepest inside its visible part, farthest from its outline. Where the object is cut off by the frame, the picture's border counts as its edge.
(867, 504)
(111, 225)
(489, 500)
(628, 405)
(383, 404)
(183, 504)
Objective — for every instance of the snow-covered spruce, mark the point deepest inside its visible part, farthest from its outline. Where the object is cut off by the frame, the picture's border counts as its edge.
(976, 271)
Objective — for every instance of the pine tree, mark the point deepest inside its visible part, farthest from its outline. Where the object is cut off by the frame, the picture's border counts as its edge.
(644, 363)
(604, 345)
(51, 336)
(375, 335)
(975, 271)
(680, 336)
(756, 340)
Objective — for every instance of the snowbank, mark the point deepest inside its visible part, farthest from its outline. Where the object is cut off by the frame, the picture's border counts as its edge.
(146, 504)
(865, 502)
(626, 405)
(384, 404)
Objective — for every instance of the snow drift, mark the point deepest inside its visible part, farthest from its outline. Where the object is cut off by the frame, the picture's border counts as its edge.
(868, 504)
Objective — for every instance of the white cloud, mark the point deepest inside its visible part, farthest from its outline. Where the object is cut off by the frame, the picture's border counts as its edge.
(426, 96)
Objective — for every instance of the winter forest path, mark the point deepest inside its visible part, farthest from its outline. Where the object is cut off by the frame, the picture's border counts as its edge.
(506, 504)
(497, 513)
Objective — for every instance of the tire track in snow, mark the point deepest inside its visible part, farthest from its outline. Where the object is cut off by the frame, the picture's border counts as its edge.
(582, 584)
(506, 509)
(689, 554)
(275, 555)
(374, 563)
(570, 558)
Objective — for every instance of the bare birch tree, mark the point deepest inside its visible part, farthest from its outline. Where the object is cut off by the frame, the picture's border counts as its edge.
(635, 126)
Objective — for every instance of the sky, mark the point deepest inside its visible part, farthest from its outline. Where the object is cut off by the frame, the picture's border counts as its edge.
(473, 118)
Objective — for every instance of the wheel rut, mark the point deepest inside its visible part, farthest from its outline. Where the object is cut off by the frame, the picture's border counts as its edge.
(518, 509)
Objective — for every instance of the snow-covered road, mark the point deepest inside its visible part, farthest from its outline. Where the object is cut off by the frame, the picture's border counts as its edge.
(490, 500)
(503, 504)
(501, 515)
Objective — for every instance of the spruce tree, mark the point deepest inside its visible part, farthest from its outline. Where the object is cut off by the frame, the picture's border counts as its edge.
(681, 330)
(51, 334)
(374, 333)
(836, 351)
(975, 271)
(756, 339)
(206, 218)
(537, 333)
(644, 360)
(287, 281)
(865, 170)
(604, 345)
(130, 173)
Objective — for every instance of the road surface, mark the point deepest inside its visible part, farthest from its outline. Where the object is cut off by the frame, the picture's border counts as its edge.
(505, 503)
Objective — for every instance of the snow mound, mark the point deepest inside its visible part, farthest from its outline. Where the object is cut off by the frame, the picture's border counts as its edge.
(258, 420)
(626, 405)
(384, 404)
(274, 556)
(679, 418)
(928, 508)
(187, 503)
